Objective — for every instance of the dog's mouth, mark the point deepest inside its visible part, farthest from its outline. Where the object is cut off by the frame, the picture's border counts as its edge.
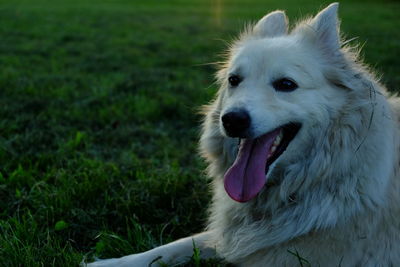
(248, 174)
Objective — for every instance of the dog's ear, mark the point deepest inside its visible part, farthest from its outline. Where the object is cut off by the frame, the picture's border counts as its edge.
(271, 25)
(326, 26)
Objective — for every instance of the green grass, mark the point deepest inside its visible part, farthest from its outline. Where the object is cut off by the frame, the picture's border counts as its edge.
(98, 129)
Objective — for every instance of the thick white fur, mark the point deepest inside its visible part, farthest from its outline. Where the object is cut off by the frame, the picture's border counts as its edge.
(333, 196)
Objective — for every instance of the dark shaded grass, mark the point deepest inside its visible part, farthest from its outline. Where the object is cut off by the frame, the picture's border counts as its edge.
(98, 129)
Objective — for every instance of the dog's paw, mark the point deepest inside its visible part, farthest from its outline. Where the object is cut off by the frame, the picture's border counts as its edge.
(101, 263)
(137, 260)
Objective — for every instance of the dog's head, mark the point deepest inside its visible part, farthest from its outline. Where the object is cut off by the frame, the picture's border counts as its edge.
(273, 88)
(281, 94)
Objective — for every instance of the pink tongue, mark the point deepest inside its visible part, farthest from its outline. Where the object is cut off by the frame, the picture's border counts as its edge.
(246, 177)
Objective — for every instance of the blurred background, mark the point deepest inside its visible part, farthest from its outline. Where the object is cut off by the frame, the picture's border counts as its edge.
(99, 116)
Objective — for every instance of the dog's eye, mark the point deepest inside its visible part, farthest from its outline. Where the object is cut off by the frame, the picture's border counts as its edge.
(234, 80)
(284, 85)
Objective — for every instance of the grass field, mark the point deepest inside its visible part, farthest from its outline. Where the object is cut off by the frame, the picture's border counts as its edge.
(98, 128)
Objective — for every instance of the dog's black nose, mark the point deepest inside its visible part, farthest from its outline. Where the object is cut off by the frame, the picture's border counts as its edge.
(236, 123)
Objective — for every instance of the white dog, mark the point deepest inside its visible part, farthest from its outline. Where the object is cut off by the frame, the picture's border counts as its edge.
(302, 144)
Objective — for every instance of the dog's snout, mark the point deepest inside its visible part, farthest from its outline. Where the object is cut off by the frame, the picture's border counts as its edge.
(236, 123)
